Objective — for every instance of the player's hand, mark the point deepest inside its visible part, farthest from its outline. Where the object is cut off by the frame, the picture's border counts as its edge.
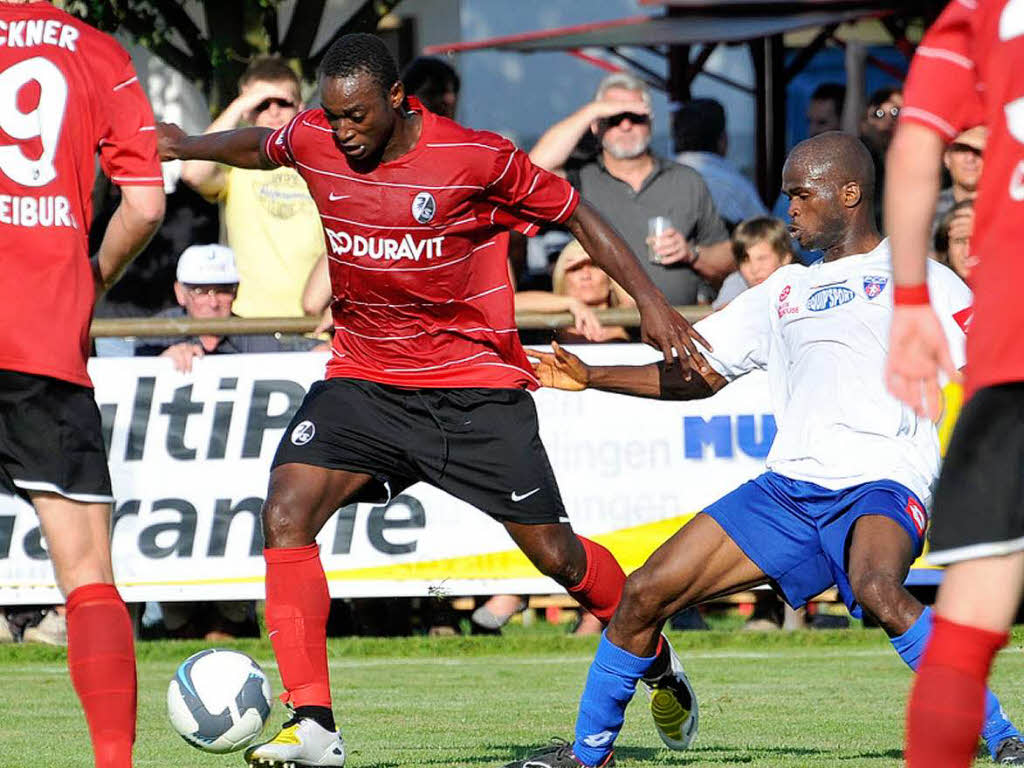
(168, 138)
(917, 352)
(183, 354)
(663, 328)
(560, 370)
(671, 247)
(585, 321)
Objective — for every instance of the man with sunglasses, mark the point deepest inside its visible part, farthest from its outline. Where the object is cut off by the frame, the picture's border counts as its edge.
(206, 286)
(629, 184)
(268, 217)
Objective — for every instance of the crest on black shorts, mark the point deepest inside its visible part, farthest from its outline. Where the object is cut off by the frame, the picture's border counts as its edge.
(303, 432)
(423, 207)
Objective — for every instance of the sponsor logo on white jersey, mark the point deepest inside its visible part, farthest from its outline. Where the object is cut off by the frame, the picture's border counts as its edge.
(423, 207)
(387, 248)
(829, 298)
(785, 308)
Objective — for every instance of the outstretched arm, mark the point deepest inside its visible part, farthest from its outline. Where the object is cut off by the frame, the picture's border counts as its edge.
(564, 370)
(917, 345)
(661, 326)
(242, 148)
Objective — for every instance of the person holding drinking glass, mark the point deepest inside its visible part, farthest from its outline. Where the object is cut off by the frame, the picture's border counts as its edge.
(630, 185)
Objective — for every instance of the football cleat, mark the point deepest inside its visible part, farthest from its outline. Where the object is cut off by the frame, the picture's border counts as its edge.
(299, 744)
(558, 754)
(673, 704)
(1010, 751)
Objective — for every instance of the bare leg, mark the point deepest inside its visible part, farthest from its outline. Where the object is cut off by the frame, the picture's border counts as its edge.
(698, 563)
(78, 539)
(879, 560)
(101, 656)
(967, 595)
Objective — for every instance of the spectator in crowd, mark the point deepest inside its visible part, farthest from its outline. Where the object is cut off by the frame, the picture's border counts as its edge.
(629, 185)
(206, 286)
(760, 246)
(879, 120)
(962, 159)
(698, 129)
(953, 238)
(268, 217)
(876, 129)
(579, 287)
(434, 83)
(825, 109)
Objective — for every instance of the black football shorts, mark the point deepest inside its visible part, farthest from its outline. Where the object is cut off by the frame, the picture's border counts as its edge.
(979, 501)
(51, 438)
(479, 445)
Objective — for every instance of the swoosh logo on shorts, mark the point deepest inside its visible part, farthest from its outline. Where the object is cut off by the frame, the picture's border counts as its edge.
(520, 497)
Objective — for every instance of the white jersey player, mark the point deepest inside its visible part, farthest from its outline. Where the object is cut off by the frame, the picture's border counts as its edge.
(850, 470)
(821, 333)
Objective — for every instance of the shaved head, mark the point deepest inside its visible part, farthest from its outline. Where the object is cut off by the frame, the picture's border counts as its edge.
(830, 181)
(836, 158)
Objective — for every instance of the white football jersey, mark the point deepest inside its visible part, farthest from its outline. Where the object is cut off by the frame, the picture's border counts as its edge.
(822, 334)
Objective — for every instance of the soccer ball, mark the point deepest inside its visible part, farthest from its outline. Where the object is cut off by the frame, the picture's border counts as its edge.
(218, 700)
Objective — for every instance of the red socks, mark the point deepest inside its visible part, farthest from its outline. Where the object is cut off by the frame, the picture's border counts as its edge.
(101, 660)
(601, 588)
(296, 613)
(947, 704)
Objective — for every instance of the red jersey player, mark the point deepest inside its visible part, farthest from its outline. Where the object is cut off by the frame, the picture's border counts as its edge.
(427, 377)
(68, 92)
(969, 69)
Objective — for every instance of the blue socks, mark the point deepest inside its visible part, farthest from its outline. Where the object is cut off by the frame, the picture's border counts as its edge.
(910, 646)
(611, 684)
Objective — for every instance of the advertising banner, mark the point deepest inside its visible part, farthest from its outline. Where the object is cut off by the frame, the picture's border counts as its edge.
(190, 456)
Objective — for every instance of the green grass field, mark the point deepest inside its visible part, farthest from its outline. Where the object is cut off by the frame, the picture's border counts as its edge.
(812, 698)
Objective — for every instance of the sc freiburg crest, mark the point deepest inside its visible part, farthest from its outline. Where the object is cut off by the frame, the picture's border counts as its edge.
(423, 207)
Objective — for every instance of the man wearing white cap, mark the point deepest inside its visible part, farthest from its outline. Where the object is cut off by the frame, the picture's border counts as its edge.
(206, 286)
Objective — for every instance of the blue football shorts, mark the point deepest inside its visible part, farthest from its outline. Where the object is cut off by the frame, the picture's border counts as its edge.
(797, 532)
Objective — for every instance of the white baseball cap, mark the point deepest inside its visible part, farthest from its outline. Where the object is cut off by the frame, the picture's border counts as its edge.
(207, 265)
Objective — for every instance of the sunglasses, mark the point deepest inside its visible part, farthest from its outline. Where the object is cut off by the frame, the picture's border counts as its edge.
(892, 112)
(264, 105)
(615, 120)
(957, 147)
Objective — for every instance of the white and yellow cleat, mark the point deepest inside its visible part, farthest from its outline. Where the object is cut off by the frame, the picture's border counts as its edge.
(298, 745)
(673, 705)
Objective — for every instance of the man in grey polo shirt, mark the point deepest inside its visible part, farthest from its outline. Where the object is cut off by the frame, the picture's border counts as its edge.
(629, 184)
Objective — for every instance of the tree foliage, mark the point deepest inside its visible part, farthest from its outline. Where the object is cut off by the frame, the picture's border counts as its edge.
(212, 41)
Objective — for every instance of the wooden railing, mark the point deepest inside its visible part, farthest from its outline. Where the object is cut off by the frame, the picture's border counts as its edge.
(183, 326)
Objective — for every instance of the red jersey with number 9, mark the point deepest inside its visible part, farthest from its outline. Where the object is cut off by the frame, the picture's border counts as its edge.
(67, 92)
(969, 70)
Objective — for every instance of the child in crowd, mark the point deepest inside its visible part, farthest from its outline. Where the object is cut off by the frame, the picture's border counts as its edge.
(761, 245)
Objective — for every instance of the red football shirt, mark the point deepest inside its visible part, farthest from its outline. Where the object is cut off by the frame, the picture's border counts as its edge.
(968, 70)
(67, 92)
(416, 251)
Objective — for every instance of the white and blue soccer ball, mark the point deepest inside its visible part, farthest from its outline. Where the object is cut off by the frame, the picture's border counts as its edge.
(219, 700)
